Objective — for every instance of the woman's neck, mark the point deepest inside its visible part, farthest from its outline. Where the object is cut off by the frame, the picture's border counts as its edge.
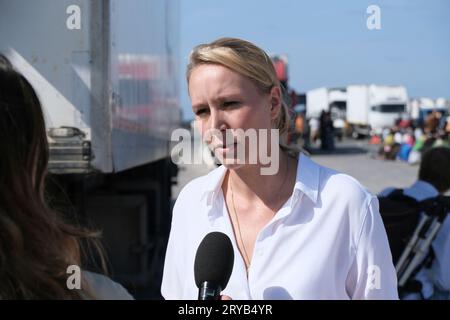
(250, 184)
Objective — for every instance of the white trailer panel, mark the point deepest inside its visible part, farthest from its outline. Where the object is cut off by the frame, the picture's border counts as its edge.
(316, 102)
(358, 104)
(106, 68)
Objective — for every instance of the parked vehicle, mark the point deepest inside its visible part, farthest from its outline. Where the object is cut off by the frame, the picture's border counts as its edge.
(106, 74)
(371, 108)
(328, 99)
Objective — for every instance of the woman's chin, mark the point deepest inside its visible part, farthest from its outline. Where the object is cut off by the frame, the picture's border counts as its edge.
(229, 161)
(232, 166)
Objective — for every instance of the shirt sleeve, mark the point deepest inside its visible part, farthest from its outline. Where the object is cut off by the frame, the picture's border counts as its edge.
(171, 287)
(372, 274)
(104, 288)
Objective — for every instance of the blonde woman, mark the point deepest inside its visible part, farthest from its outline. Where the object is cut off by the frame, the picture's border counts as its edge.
(303, 232)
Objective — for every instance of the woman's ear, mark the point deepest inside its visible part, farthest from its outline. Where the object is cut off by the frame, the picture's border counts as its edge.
(275, 102)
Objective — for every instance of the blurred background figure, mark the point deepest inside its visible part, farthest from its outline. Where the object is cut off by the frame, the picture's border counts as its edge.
(37, 245)
(432, 122)
(314, 129)
(326, 131)
(432, 278)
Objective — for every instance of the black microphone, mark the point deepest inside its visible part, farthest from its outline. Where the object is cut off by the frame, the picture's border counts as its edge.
(213, 265)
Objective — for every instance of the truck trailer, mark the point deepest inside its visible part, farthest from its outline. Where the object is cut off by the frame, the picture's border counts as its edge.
(333, 100)
(371, 108)
(106, 74)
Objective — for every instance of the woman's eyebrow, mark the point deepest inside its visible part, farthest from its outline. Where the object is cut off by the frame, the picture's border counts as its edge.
(228, 96)
(219, 99)
(199, 105)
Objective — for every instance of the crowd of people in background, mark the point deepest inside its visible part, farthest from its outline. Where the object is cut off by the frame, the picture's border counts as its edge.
(408, 139)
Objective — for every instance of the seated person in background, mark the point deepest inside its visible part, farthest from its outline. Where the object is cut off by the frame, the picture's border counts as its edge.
(434, 179)
(36, 245)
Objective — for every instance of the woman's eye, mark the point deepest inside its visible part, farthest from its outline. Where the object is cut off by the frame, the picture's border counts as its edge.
(230, 103)
(201, 112)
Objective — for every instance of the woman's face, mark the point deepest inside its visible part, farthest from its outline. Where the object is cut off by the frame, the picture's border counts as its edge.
(223, 99)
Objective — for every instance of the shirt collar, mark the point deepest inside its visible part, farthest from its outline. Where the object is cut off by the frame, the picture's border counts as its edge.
(213, 184)
(308, 175)
(307, 180)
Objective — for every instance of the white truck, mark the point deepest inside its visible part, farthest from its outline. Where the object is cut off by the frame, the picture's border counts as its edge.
(106, 74)
(371, 108)
(328, 99)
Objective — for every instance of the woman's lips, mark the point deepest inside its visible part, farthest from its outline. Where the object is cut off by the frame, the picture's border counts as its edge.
(225, 148)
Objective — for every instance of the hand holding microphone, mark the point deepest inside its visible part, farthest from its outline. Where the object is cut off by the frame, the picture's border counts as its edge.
(213, 265)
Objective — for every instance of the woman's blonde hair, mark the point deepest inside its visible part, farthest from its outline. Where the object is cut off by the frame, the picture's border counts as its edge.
(248, 60)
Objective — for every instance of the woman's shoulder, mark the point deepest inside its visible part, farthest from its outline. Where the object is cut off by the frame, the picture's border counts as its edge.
(194, 195)
(347, 200)
(329, 184)
(195, 188)
(104, 288)
(347, 196)
(343, 185)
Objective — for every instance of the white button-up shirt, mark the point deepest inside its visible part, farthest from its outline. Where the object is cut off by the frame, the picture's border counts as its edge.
(326, 242)
(438, 276)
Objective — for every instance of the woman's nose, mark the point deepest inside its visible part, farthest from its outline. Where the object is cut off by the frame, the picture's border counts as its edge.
(217, 121)
(216, 128)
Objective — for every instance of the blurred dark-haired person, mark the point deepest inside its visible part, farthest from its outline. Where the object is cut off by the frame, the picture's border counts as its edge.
(434, 179)
(36, 245)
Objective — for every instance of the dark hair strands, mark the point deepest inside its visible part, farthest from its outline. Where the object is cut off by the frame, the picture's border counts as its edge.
(37, 244)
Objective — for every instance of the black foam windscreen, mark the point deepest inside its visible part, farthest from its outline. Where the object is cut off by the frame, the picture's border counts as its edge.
(214, 260)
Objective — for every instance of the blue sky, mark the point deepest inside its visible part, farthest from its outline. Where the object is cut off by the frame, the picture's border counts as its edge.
(327, 42)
